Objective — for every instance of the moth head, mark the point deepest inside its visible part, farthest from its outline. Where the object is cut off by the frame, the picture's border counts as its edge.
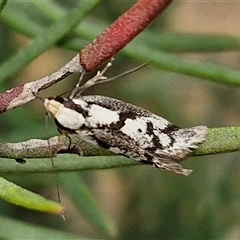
(53, 104)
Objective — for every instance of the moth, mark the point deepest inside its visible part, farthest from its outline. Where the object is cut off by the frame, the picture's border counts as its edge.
(124, 128)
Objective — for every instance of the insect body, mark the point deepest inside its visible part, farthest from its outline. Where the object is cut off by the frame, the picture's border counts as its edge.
(126, 129)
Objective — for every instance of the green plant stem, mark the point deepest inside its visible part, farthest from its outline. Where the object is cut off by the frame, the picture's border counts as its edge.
(45, 39)
(205, 70)
(165, 41)
(156, 51)
(219, 140)
(65, 163)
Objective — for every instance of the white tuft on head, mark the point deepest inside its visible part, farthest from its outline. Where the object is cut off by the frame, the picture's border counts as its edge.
(67, 117)
(52, 106)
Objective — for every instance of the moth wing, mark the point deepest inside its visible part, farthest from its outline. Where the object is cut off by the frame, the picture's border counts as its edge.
(123, 144)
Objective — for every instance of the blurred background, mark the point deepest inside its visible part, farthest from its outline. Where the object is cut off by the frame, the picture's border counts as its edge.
(142, 202)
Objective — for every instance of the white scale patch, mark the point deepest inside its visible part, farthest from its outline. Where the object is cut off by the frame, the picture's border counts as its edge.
(159, 122)
(79, 101)
(137, 129)
(69, 118)
(101, 116)
(134, 127)
(164, 138)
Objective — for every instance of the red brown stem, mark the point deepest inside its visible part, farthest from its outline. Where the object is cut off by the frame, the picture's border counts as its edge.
(121, 32)
(8, 96)
(23, 94)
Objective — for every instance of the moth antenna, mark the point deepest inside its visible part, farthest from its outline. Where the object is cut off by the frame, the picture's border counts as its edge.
(47, 113)
(64, 93)
(37, 96)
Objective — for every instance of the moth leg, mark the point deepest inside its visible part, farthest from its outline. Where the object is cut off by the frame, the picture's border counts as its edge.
(70, 142)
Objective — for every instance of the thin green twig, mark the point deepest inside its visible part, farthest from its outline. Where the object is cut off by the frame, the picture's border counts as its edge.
(45, 39)
(219, 140)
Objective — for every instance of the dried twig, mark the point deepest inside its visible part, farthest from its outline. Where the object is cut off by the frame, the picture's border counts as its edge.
(38, 148)
(23, 94)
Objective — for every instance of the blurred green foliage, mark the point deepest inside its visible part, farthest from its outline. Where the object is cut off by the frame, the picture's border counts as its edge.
(138, 202)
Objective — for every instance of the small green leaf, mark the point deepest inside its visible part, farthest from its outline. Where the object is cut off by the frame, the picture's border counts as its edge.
(14, 194)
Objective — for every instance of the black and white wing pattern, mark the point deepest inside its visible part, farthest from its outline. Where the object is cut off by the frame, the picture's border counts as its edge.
(127, 129)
